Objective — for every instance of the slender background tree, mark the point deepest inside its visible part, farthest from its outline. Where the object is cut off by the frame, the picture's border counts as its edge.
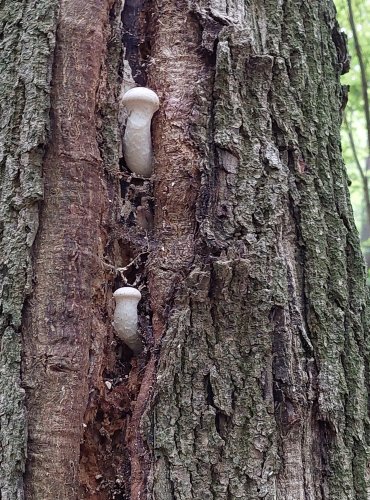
(254, 379)
(354, 17)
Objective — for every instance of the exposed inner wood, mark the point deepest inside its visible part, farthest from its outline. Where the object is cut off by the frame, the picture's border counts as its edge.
(64, 321)
(253, 379)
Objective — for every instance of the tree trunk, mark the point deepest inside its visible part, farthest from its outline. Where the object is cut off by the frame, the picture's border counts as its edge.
(254, 378)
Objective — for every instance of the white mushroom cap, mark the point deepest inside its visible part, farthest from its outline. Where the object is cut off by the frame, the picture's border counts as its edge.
(127, 292)
(140, 97)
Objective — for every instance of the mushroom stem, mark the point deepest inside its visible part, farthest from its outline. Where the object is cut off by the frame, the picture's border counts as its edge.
(141, 103)
(125, 317)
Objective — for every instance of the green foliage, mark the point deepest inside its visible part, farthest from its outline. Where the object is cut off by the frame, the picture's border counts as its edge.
(355, 108)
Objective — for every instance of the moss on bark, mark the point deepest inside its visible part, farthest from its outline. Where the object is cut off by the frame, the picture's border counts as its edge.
(261, 389)
(26, 53)
(255, 381)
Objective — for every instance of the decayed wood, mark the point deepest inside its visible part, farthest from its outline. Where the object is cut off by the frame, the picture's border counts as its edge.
(253, 383)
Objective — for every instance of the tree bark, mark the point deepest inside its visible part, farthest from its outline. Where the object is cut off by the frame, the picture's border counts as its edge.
(365, 225)
(254, 379)
(27, 43)
(62, 316)
(260, 391)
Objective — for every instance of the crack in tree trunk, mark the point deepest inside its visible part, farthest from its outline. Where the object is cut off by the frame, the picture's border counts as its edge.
(254, 378)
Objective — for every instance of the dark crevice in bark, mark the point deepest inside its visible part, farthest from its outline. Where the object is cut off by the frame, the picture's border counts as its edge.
(239, 247)
(135, 38)
(113, 443)
(128, 247)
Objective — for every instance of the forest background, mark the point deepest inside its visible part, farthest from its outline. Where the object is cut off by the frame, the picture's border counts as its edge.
(354, 18)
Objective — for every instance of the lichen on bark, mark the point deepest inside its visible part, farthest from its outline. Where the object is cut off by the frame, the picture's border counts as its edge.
(26, 53)
(255, 376)
(261, 389)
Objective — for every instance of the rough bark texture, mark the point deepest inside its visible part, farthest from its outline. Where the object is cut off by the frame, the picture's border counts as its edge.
(27, 37)
(254, 379)
(262, 379)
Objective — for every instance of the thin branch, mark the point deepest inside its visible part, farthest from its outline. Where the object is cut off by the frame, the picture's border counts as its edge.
(353, 146)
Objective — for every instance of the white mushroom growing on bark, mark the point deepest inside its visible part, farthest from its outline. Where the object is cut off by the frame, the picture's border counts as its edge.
(125, 317)
(141, 103)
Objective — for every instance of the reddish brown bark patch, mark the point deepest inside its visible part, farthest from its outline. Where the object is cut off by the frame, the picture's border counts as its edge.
(62, 318)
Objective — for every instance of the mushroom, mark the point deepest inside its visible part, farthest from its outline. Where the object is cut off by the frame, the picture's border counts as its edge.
(125, 317)
(141, 103)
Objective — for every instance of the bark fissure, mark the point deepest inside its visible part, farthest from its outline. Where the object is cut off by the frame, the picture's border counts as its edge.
(273, 216)
(254, 379)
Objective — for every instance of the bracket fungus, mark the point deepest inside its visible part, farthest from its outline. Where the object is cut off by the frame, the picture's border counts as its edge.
(125, 317)
(141, 103)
